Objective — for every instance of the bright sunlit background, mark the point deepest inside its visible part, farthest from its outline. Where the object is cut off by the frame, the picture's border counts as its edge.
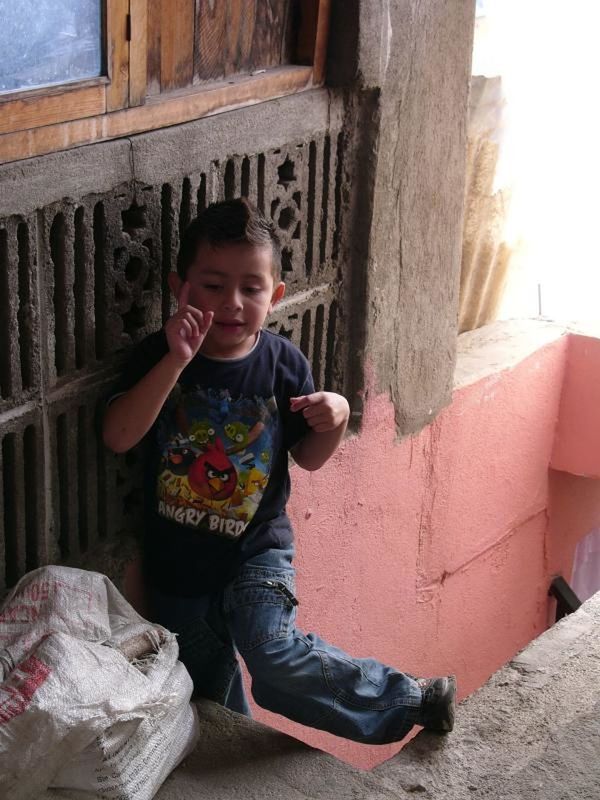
(548, 55)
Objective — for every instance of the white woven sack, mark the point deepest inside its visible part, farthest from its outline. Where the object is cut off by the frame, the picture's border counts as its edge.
(74, 712)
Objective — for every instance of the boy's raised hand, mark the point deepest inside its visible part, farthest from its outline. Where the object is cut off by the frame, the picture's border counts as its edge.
(324, 411)
(187, 328)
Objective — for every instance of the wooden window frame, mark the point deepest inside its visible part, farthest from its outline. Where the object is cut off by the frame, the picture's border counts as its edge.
(41, 121)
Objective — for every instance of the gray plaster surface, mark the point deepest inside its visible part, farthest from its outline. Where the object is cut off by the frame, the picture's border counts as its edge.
(422, 54)
(35, 182)
(174, 150)
(501, 345)
(241, 758)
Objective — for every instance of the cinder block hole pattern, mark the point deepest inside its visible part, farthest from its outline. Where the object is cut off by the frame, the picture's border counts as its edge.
(82, 280)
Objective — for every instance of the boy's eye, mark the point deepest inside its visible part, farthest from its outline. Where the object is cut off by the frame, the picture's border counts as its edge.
(252, 290)
(213, 287)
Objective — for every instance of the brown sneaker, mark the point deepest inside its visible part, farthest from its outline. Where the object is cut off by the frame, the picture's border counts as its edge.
(438, 704)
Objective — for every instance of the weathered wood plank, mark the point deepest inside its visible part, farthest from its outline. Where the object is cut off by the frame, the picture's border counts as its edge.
(157, 113)
(117, 92)
(270, 43)
(176, 44)
(153, 51)
(241, 36)
(138, 52)
(212, 59)
(308, 13)
(321, 37)
(37, 111)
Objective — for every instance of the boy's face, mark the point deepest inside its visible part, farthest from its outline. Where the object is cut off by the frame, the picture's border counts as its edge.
(236, 283)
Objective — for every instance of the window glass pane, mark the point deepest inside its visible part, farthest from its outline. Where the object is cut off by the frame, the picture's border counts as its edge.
(44, 42)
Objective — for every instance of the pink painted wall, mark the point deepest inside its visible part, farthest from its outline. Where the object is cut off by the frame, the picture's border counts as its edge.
(574, 511)
(435, 553)
(577, 447)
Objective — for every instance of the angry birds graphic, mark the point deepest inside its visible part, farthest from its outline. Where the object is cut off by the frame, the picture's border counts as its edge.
(212, 475)
(238, 433)
(201, 432)
(216, 457)
(254, 481)
(178, 459)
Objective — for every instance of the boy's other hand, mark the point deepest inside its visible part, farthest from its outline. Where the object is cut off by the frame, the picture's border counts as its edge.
(187, 328)
(324, 411)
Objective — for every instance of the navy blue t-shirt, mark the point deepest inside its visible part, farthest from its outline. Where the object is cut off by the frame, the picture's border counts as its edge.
(216, 476)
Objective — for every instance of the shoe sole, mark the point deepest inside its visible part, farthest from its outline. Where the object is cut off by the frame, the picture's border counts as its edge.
(443, 716)
(447, 724)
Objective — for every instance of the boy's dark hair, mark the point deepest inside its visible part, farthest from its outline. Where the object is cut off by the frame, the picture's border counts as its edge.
(229, 222)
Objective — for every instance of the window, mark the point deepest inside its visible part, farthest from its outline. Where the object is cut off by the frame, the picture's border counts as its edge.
(74, 72)
(45, 42)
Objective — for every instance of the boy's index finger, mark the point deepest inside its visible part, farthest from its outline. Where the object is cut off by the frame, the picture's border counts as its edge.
(184, 293)
(207, 318)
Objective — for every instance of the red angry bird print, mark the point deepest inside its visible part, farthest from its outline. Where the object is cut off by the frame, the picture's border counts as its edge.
(212, 475)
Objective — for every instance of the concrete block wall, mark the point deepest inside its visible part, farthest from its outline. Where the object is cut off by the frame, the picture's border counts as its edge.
(83, 272)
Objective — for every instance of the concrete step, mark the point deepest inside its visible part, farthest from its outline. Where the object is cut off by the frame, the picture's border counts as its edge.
(240, 758)
(532, 731)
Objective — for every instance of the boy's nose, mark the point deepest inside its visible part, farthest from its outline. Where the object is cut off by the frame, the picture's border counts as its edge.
(232, 300)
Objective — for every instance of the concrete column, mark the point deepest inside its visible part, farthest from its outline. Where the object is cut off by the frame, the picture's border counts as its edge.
(414, 60)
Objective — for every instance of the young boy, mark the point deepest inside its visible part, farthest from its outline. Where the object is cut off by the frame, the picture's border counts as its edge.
(219, 402)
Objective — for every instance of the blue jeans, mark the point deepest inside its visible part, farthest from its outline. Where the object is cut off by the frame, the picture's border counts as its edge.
(296, 675)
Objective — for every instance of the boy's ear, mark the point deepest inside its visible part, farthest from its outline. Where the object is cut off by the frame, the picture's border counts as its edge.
(278, 293)
(175, 283)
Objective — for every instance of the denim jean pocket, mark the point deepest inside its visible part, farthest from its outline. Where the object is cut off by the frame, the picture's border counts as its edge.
(260, 608)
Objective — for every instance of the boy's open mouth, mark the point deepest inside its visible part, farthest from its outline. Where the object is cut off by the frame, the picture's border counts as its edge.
(231, 326)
